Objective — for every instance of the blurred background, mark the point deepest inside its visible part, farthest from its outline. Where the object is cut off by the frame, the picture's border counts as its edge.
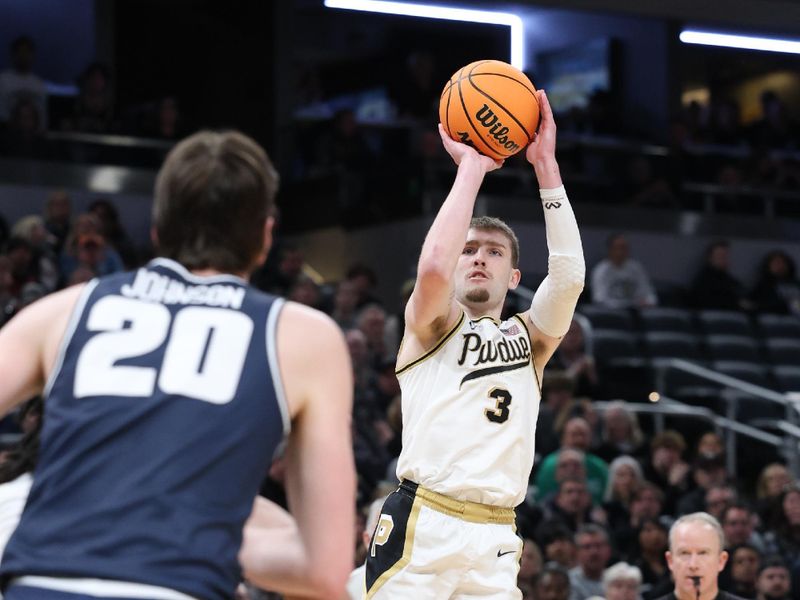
(682, 162)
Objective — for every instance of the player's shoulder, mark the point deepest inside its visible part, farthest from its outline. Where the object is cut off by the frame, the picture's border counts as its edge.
(308, 327)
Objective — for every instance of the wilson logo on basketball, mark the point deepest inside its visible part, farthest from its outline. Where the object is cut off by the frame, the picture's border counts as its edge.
(497, 130)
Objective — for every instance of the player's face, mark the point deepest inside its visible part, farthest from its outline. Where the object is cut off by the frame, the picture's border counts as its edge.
(484, 273)
(695, 552)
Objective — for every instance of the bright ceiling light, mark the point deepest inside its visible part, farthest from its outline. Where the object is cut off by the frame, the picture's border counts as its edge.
(448, 13)
(747, 42)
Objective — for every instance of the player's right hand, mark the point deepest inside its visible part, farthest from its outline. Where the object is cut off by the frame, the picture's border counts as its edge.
(460, 152)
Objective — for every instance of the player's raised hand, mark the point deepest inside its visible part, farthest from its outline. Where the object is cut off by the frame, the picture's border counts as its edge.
(460, 152)
(543, 146)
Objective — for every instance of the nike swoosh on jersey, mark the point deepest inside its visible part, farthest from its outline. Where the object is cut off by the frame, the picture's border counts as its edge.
(499, 553)
(478, 373)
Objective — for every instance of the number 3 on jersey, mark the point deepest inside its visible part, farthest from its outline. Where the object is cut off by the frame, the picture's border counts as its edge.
(203, 359)
(502, 398)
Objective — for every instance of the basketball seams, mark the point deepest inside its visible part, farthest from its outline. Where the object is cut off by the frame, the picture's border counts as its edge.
(503, 75)
(513, 118)
(478, 134)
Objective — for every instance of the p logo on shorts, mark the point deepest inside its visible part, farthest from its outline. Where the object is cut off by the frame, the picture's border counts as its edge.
(382, 532)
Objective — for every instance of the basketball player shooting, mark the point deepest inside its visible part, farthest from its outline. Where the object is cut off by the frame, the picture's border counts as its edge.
(471, 389)
(167, 392)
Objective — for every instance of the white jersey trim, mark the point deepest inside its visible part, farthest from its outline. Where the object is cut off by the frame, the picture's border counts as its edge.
(72, 325)
(271, 339)
(101, 587)
(178, 268)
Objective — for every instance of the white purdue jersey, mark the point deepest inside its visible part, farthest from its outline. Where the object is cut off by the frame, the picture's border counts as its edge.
(470, 406)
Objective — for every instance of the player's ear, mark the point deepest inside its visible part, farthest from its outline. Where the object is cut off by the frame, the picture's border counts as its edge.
(513, 282)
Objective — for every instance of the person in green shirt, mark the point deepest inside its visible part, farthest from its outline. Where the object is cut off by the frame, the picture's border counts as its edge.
(577, 435)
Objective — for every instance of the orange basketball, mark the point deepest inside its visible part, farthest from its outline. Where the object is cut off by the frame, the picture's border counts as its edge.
(491, 106)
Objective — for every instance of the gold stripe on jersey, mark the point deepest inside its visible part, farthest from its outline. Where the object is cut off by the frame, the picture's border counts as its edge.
(519, 318)
(411, 527)
(436, 347)
(473, 512)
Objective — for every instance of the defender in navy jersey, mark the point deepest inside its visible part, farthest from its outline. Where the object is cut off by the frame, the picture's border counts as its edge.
(168, 391)
(470, 390)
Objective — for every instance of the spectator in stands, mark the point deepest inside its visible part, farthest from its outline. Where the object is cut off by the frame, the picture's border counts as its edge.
(644, 187)
(713, 286)
(647, 502)
(621, 434)
(87, 247)
(726, 125)
(8, 301)
(738, 522)
(774, 580)
(594, 551)
(708, 471)
(572, 358)
(558, 405)
(777, 289)
(20, 83)
(649, 556)
(558, 543)
(32, 229)
(744, 564)
(619, 281)
(24, 266)
(530, 564)
(365, 280)
(114, 231)
(621, 581)
(571, 506)
(666, 467)
(94, 106)
(167, 121)
(305, 291)
(577, 435)
(709, 445)
(371, 321)
(786, 523)
(22, 137)
(775, 129)
(279, 280)
(553, 583)
(624, 478)
(57, 218)
(344, 304)
(772, 480)
(718, 497)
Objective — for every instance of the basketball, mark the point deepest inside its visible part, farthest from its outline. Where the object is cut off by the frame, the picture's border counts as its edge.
(491, 106)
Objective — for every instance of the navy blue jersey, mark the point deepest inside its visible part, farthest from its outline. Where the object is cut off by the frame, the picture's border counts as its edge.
(161, 419)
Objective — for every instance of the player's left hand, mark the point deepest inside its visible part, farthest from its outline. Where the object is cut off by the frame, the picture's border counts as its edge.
(543, 146)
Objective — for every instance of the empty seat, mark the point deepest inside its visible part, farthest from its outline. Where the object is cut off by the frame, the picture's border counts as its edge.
(746, 371)
(602, 317)
(662, 344)
(732, 347)
(782, 326)
(614, 347)
(787, 377)
(783, 351)
(659, 318)
(724, 322)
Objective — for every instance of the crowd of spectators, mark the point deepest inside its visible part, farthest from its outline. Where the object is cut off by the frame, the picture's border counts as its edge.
(601, 491)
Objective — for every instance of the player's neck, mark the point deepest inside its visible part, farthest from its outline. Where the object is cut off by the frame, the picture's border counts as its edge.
(482, 310)
(212, 272)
